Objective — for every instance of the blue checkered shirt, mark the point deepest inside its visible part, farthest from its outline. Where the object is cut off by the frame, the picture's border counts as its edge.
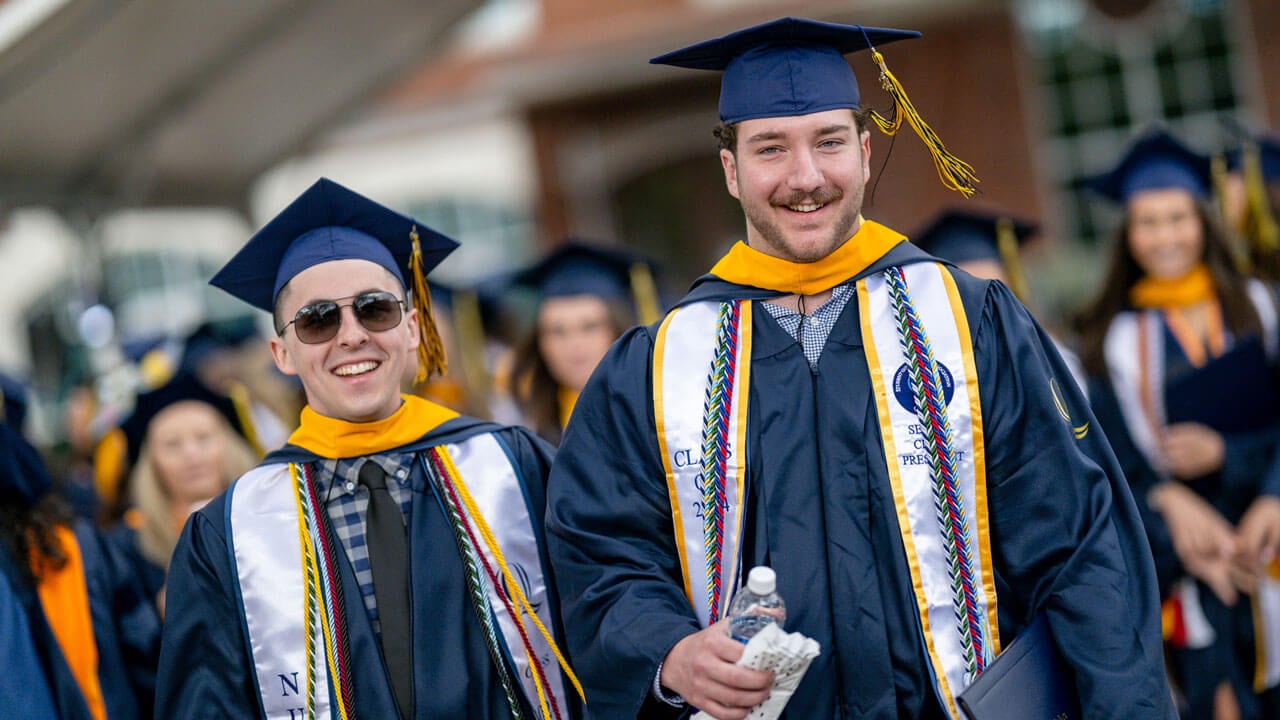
(347, 501)
(817, 326)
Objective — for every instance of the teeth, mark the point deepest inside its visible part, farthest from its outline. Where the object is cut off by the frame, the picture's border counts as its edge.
(805, 208)
(356, 368)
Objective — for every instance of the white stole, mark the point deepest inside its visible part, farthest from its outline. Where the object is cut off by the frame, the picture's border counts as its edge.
(937, 304)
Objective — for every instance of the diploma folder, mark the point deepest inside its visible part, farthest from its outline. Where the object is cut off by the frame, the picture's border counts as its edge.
(1028, 681)
(1233, 393)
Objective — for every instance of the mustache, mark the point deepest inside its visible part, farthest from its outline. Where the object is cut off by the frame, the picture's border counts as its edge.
(821, 196)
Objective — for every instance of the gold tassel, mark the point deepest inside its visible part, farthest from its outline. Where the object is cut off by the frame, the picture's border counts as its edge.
(469, 327)
(1259, 220)
(239, 395)
(1007, 242)
(431, 358)
(1236, 244)
(955, 173)
(645, 294)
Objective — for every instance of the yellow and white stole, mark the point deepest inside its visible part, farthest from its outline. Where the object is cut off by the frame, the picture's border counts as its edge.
(920, 355)
(278, 551)
(701, 414)
(1134, 352)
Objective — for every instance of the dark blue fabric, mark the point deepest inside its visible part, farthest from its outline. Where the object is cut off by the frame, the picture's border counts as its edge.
(326, 222)
(958, 236)
(24, 479)
(24, 689)
(1157, 161)
(205, 662)
(1065, 535)
(790, 66)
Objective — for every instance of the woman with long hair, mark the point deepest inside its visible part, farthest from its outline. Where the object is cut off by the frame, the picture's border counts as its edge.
(190, 446)
(94, 637)
(585, 302)
(1181, 349)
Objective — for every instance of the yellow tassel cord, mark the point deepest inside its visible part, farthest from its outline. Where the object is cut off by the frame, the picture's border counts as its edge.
(645, 293)
(1236, 243)
(955, 173)
(431, 358)
(469, 326)
(239, 395)
(313, 606)
(1007, 242)
(513, 588)
(1260, 222)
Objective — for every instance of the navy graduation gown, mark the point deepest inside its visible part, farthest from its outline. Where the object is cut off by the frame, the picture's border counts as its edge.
(1065, 534)
(126, 632)
(1249, 470)
(206, 668)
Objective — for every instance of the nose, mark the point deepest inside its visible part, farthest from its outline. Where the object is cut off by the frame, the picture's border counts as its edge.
(805, 176)
(350, 332)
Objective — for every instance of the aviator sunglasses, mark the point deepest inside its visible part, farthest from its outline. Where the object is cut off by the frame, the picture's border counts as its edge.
(318, 322)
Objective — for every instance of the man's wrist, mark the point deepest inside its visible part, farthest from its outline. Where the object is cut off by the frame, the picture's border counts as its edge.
(659, 692)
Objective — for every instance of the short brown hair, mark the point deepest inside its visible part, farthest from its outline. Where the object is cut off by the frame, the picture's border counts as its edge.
(726, 134)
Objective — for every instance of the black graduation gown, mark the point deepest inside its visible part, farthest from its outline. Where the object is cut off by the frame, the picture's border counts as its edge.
(206, 669)
(1065, 534)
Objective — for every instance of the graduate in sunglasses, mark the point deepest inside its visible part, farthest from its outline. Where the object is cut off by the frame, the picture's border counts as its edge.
(388, 560)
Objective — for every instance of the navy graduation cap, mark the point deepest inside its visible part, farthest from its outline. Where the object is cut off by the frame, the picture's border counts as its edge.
(796, 66)
(182, 388)
(961, 236)
(1157, 161)
(579, 268)
(791, 66)
(330, 222)
(1268, 153)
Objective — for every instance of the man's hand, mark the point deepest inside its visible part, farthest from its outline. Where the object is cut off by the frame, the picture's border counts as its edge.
(1258, 538)
(701, 669)
(1192, 450)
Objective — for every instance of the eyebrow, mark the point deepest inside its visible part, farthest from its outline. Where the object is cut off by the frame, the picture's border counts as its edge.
(768, 135)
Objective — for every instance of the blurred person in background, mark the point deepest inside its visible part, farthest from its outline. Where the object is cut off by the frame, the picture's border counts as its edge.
(986, 244)
(1249, 194)
(585, 302)
(190, 444)
(96, 636)
(1181, 350)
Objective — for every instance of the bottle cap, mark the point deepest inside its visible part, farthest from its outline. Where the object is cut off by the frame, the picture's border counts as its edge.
(762, 580)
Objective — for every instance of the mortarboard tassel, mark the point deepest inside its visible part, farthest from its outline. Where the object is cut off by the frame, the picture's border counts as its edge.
(239, 395)
(955, 173)
(1260, 223)
(469, 325)
(1236, 244)
(645, 294)
(1007, 243)
(431, 358)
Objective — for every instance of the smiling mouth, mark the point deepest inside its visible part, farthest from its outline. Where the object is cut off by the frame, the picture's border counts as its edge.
(806, 208)
(359, 368)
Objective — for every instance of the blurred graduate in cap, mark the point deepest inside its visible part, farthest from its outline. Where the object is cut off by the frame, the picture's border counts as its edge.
(186, 444)
(230, 358)
(987, 245)
(1181, 349)
(91, 639)
(587, 296)
(1249, 193)
(290, 594)
(807, 406)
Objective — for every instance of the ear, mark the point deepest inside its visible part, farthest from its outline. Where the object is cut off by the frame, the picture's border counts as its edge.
(411, 325)
(730, 164)
(865, 139)
(280, 354)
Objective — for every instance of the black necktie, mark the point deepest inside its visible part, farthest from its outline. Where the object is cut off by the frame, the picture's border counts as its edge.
(389, 560)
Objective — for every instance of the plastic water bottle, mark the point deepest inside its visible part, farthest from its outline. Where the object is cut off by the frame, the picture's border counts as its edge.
(756, 605)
